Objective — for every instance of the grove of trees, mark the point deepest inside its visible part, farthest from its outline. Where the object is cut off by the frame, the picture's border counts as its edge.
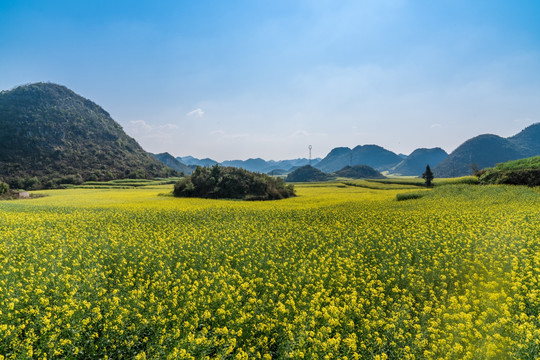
(218, 182)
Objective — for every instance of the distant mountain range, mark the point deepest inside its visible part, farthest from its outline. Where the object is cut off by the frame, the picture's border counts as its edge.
(477, 153)
(371, 155)
(190, 160)
(257, 165)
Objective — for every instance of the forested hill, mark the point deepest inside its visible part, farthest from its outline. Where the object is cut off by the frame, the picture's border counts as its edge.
(49, 135)
(488, 150)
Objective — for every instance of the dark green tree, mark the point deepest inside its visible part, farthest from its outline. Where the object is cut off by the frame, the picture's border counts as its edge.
(428, 176)
(4, 188)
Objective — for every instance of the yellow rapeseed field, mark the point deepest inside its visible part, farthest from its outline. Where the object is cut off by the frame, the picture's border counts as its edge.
(339, 272)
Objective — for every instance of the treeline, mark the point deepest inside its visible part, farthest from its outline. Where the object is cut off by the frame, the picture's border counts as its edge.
(220, 182)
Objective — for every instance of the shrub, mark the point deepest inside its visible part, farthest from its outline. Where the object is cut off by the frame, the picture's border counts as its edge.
(220, 182)
(408, 196)
(4, 188)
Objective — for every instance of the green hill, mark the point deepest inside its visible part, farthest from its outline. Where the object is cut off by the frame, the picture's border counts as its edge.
(415, 163)
(308, 173)
(518, 172)
(172, 162)
(481, 151)
(488, 150)
(360, 172)
(49, 135)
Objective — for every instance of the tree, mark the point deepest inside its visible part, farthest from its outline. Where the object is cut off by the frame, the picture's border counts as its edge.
(4, 188)
(428, 176)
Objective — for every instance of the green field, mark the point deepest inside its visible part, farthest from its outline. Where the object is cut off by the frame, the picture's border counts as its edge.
(338, 272)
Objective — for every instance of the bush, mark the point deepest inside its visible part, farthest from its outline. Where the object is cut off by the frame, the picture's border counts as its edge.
(4, 188)
(220, 182)
(408, 196)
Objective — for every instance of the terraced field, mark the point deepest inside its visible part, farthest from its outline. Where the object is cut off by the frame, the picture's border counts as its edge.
(340, 271)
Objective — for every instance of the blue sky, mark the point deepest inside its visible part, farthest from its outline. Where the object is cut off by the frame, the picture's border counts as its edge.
(240, 79)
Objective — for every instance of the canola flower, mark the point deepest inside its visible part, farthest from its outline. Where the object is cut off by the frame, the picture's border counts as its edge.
(336, 273)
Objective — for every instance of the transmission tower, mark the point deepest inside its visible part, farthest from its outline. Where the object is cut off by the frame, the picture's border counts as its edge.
(310, 147)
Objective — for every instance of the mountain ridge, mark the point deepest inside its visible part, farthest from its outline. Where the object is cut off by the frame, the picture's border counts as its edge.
(172, 162)
(487, 150)
(415, 163)
(251, 164)
(478, 152)
(371, 155)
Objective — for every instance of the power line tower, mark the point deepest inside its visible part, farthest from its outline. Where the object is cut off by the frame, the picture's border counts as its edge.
(310, 147)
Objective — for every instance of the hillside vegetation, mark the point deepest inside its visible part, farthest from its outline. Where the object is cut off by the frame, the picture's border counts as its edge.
(488, 150)
(359, 172)
(518, 172)
(50, 136)
(415, 163)
(220, 182)
(308, 173)
(4, 189)
(371, 155)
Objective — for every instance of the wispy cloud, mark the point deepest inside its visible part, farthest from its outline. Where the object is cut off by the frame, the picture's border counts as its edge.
(196, 113)
(140, 124)
(144, 126)
(225, 135)
(169, 127)
(300, 133)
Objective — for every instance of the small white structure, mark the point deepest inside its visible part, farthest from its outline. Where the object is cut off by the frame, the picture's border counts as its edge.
(23, 195)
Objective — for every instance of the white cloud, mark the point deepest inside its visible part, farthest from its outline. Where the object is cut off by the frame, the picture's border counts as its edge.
(300, 133)
(196, 113)
(434, 126)
(169, 127)
(140, 125)
(223, 135)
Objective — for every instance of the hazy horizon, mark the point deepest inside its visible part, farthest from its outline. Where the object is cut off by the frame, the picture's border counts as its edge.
(244, 79)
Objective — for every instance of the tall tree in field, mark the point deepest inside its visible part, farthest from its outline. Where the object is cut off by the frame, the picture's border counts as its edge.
(428, 176)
